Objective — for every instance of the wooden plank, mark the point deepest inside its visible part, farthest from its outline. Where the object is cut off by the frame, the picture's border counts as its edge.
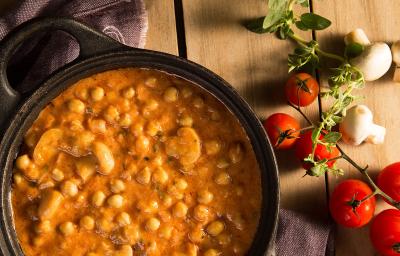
(378, 18)
(161, 35)
(256, 65)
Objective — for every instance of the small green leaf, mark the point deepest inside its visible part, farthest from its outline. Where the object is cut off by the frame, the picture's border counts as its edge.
(353, 50)
(314, 21)
(300, 25)
(256, 26)
(276, 11)
(332, 137)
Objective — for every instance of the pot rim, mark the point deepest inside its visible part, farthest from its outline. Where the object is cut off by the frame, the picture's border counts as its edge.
(28, 111)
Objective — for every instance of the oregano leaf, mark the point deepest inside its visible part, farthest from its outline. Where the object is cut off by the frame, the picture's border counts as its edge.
(256, 25)
(314, 21)
(332, 137)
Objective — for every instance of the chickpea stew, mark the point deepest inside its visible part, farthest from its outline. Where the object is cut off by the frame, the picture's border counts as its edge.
(136, 162)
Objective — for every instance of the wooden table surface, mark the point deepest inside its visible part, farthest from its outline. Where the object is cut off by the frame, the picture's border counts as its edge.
(209, 32)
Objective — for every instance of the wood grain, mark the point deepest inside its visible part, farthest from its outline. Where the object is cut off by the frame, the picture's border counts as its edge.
(256, 65)
(379, 19)
(161, 35)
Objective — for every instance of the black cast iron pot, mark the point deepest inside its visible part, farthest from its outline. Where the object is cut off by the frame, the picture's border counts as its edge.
(99, 53)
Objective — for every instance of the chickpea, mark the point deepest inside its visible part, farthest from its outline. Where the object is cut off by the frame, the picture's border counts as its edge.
(167, 200)
(171, 94)
(185, 121)
(117, 186)
(76, 125)
(43, 227)
(143, 177)
(137, 128)
(215, 116)
(180, 210)
(69, 188)
(224, 239)
(115, 201)
(213, 147)
(85, 167)
(222, 178)
(153, 128)
(131, 233)
(165, 232)
(18, 179)
(97, 125)
(23, 162)
(160, 176)
(186, 92)
(67, 228)
(76, 106)
(98, 198)
(174, 191)
(111, 114)
(198, 102)
(32, 172)
(215, 228)
(158, 160)
(200, 212)
(211, 252)
(104, 225)
(164, 216)
(82, 93)
(125, 250)
(236, 153)
(222, 163)
(57, 174)
(128, 93)
(142, 144)
(97, 93)
(151, 82)
(126, 120)
(204, 197)
(123, 219)
(197, 235)
(152, 224)
(181, 184)
(86, 222)
(151, 105)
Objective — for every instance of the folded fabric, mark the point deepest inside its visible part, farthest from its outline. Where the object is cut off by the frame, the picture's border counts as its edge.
(300, 235)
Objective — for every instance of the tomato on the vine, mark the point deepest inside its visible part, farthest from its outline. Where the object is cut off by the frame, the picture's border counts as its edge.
(282, 130)
(389, 181)
(385, 232)
(346, 207)
(304, 149)
(301, 89)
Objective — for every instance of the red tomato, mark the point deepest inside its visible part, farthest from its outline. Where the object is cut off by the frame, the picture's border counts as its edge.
(385, 232)
(301, 89)
(282, 130)
(344, 213)
(304, 148)
(389, 180)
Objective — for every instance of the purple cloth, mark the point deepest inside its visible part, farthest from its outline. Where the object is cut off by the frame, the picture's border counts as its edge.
(123, 20)
(126, 21)
(302, 235)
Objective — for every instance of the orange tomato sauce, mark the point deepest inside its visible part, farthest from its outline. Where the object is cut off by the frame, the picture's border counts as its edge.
(136, 162)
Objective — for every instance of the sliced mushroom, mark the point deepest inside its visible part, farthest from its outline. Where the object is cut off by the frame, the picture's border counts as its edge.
(185, 146)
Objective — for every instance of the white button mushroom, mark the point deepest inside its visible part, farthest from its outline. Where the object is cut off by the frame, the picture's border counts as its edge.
(357, 126)
(376, 58)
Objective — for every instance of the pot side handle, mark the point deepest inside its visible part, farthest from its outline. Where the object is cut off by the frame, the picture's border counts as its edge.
(90, 42)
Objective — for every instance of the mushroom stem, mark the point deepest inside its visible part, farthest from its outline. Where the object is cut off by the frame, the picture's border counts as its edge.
(357, 36)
